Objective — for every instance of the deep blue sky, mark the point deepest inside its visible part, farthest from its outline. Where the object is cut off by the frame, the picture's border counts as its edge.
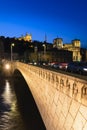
(55, 18)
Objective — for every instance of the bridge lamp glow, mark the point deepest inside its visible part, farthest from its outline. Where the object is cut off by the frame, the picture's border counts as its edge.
(7, 66)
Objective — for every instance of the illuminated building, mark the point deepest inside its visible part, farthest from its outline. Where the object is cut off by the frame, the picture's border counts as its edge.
(74, 47)
(27, 37)
(58, 43)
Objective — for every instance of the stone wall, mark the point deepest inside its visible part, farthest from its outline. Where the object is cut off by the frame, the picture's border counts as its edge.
(61, 99)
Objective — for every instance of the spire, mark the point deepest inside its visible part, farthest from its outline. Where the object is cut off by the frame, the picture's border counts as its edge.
(45, 37)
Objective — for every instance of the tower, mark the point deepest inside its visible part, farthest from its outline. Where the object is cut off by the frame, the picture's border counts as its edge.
(45, 38)
(58, 43)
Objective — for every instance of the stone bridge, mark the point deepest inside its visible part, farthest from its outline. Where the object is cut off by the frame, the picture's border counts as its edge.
(61, 99)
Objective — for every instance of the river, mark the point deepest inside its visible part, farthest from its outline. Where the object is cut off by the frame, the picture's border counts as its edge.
(17, 107)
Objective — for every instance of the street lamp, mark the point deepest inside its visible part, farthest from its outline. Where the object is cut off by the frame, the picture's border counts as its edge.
(44, 55)
(7, 66)
(12, 51)
(44, 48)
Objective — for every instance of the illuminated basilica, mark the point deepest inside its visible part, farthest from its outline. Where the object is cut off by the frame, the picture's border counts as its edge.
(27, 37)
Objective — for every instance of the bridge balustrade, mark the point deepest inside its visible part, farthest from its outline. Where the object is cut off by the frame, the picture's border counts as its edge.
(61, 99)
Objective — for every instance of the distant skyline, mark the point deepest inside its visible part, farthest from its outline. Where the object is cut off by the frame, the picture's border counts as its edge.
(65, 19)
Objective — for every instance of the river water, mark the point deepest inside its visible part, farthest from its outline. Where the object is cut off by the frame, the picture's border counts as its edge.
(17, 107)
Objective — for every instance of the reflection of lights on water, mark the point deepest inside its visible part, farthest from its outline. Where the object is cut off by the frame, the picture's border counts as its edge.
(7, 93)
(7, 87)
(8, 96)
(13, 106)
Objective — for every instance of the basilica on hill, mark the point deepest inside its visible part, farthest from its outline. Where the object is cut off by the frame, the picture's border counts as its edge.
(27, 37)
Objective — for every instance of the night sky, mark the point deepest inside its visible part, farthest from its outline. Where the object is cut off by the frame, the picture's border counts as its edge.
(65, 19)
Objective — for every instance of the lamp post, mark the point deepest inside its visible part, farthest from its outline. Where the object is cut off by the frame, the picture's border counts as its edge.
(36, 53)
(44, 52)
(44, 48)
(12, 51)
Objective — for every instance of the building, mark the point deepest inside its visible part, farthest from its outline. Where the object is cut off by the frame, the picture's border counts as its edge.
(1, 50)
(27, 37)
(74, 46)
(84, 54)
(52, 55)
(58, 43)
(59, 55)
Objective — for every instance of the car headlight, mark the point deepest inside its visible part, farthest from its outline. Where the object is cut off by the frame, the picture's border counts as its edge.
(60, 66)
(85, 69)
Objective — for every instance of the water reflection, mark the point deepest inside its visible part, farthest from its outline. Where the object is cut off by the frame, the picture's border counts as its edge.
(10, 118)
(18, 110)
(7, 95)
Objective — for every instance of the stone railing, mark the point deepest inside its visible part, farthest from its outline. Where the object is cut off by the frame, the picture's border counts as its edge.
(74, 87)
(60, 98)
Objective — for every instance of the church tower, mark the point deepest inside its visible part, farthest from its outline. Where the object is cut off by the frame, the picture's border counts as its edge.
(58, 43)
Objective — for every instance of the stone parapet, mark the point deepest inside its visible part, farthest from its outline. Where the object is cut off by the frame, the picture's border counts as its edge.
(61, 99)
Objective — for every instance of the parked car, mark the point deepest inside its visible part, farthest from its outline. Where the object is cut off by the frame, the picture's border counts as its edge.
(72, 66)
(77, 67)
(63, 65)
(82, 68)
(54, 64)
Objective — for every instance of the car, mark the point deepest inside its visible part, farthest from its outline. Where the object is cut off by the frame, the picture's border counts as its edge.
(54, 64)
(63, 65)
(72, 66)
(77, 67)
(82, 68)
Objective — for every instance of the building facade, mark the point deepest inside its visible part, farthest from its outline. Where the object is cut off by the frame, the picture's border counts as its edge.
(27, 37)
(1, 50)
(58, 43)
(74, 46)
